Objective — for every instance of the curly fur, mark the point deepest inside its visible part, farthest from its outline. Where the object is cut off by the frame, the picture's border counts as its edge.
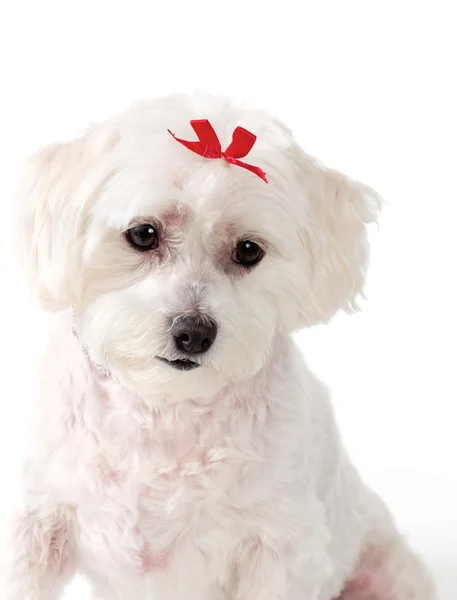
(228, 482)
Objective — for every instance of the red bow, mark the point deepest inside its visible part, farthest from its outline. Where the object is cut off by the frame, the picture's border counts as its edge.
(209, 146)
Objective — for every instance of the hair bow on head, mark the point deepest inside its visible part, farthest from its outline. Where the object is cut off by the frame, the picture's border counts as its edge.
(209, 146)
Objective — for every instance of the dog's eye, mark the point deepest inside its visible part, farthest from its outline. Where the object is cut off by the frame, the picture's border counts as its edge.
(143, 237)
(248, 253)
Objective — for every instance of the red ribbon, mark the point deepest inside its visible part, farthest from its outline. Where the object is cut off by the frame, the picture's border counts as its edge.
(209, 146)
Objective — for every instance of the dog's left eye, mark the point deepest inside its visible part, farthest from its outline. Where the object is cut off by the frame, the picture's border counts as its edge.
(248, 253)
(143, 237)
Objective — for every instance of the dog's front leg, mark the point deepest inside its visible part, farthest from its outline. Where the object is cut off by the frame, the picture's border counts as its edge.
(282, 563)
(269, 573)
(265, 573)
(41, 552)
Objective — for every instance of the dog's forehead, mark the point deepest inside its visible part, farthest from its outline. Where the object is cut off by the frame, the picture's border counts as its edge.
(156, 177)
(210, 195)
(205, 204)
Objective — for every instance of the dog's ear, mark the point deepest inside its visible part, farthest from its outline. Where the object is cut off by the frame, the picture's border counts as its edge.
(333, 235)
(57, 186)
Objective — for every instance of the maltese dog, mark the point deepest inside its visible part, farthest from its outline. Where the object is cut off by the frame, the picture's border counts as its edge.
(182, 448)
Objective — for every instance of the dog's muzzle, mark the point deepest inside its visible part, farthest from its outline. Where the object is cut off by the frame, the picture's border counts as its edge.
(193, 334)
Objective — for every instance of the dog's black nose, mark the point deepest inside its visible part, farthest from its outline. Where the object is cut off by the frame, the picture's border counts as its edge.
(193, 335)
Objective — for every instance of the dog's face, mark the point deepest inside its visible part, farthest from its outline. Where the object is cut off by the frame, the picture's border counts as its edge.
(182, 270)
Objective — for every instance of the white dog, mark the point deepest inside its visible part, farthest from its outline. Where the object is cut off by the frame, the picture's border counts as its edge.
(183, 449)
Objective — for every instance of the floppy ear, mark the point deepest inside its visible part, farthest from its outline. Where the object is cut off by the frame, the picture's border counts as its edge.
(58, 184)
(333, 235)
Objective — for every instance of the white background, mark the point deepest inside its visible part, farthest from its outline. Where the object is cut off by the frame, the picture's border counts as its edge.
(368, 87)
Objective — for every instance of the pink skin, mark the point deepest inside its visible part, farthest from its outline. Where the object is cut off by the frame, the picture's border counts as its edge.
(177, 216)
(108, 476)
(151, 562)
(370, 581)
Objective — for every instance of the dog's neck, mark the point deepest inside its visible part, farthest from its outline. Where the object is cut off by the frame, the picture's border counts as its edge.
(96, 367)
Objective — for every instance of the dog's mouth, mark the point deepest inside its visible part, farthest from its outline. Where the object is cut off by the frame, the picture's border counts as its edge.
(181, 364)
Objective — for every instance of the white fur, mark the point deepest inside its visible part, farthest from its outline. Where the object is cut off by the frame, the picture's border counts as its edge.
(228, 482)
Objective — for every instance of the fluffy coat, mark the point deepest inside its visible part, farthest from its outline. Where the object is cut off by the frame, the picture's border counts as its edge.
(229, 481)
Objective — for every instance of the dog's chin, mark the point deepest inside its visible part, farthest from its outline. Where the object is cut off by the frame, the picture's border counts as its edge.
(166, 378)
(180, 364)
(164, 381)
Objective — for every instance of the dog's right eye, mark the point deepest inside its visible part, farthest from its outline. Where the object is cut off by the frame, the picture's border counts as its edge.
(143, 237)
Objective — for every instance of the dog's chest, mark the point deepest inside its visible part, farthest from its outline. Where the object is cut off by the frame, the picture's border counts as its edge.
(153, 485)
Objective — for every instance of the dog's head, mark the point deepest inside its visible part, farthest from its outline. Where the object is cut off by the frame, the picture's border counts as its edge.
(182, 269)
